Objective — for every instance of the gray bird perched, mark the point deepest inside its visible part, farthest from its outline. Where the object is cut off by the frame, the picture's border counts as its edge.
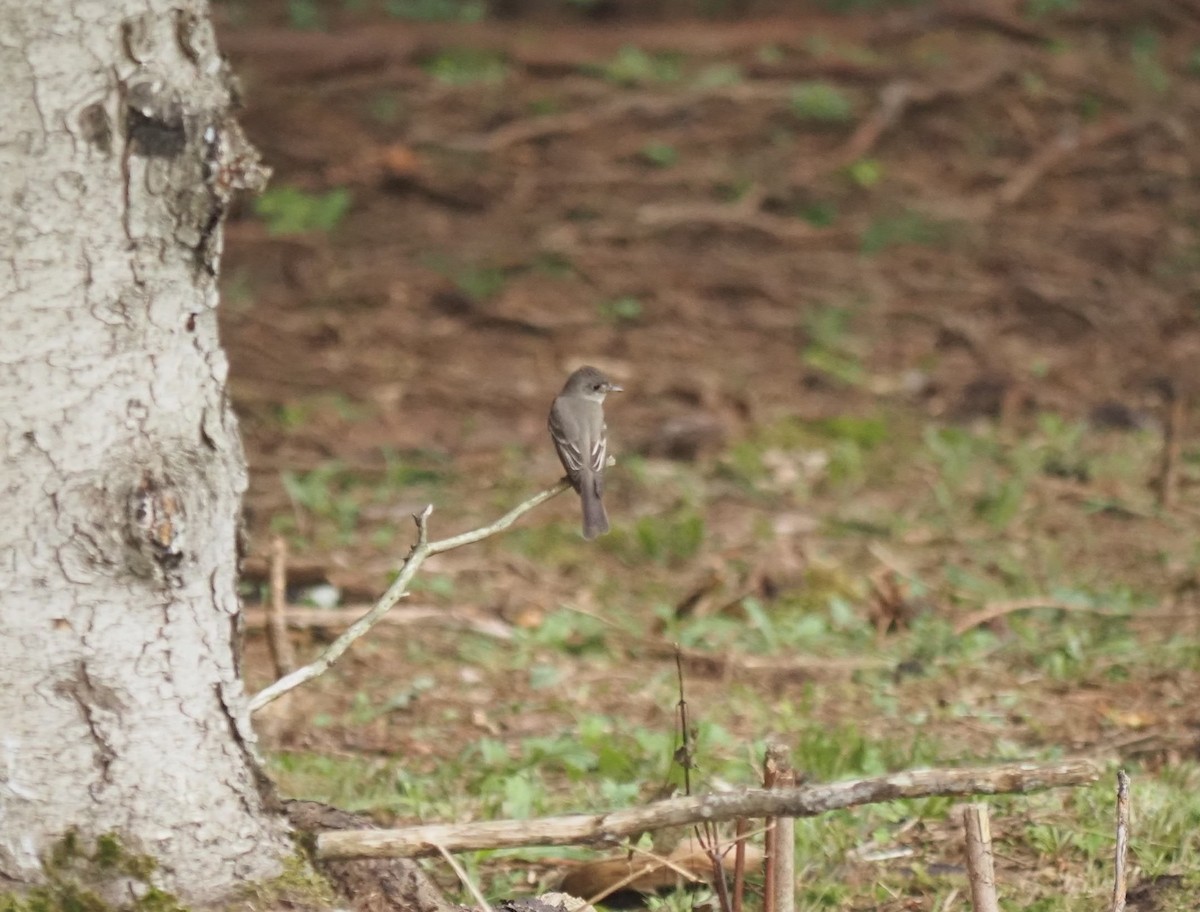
(581, 439)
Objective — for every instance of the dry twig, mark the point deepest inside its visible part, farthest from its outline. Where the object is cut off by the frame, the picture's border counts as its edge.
(739, 864)
(654, 865)
(1119, 879)
(465, 880)
(1168, 473)
(714, 664)
(1051, 156)
(981, 871)
(707, 836)
(770, 839)
(896, 98)
(278, 641)
(1002, 607)
(420, 551)
(612, 827)
(303, 617)
(781, 884)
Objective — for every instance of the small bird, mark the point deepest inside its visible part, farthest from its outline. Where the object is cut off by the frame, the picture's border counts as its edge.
(581, 439)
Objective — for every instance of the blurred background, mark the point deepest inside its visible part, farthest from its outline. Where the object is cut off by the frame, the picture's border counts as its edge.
(904, 298)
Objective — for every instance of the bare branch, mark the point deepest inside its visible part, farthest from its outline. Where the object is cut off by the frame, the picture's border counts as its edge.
(283, 658)
(611, 828)
(782, 882)
(1167, 483)
(420, 551)
(1120, 881)
(303, 617)
(995, 610)
(981, 869)
(462, 875)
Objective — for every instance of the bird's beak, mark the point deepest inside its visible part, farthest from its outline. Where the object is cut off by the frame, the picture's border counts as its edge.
(613, 388)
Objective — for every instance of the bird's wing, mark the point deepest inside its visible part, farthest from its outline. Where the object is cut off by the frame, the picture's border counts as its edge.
(560, 433)
(599, 456)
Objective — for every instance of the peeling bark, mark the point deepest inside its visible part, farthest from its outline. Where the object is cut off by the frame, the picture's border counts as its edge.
(122, 468)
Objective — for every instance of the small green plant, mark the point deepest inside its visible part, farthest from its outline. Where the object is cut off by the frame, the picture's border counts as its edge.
(625, 309)
(467, 66)
(720, 75)
(543, 107)
(659, 154)
(1090, 107)
(437, 10)
(290, 210)
(1147, 62)
(830, 349)
(819, 213)
(865, 173)
(479, 283)
(325, 492)
(859, 6)
(1037, 8)
(385, 107)
(632, 66)
(305, 15)
(299, 413)
(822, 102)
(909, 227)
(669, 539)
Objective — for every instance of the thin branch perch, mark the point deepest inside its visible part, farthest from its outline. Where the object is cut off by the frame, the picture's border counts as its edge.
(803, 801)
(420, 551)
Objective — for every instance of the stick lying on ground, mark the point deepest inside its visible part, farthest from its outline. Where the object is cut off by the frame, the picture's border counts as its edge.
(804, 801)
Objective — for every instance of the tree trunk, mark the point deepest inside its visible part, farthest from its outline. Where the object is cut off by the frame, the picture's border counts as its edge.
(121, 706)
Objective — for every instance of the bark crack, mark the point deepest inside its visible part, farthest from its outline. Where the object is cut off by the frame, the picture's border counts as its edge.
(92, 698)
(262, 782)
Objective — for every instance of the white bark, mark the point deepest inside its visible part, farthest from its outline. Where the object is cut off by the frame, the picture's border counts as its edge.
(121, 469)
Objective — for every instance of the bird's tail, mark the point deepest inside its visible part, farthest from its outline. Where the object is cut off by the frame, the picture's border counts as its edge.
(595, 520)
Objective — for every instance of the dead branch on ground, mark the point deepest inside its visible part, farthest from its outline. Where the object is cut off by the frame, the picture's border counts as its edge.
(302, 617)
(422, 549)
(997, 609)
(896, 98)
(1046, 159)
(720, 665)
(612, 827)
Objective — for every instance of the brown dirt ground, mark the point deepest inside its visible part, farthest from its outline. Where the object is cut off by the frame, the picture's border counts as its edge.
(1052, 266)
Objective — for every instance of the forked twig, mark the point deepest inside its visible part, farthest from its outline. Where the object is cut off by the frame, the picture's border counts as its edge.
(423, 549)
